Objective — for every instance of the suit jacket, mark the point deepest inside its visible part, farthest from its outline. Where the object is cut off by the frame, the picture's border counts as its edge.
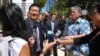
(31, 26)
(48, 26)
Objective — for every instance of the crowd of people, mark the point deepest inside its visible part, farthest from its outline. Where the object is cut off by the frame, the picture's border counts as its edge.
(37, 34)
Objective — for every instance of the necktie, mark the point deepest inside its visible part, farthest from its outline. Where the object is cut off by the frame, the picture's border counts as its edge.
(52, 26)
(38, 39)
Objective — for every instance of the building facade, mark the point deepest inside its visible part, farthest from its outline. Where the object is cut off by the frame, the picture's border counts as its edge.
(24, 4)
(5, 1)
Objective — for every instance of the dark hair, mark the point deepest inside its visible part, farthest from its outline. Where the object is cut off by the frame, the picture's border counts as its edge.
(13, 21)
(32, 5)
(97, 7)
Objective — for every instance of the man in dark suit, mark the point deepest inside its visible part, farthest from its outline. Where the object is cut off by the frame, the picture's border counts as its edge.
(35, 29)
(53, 26)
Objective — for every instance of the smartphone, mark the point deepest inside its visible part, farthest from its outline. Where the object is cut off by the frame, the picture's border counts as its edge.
(50, 36)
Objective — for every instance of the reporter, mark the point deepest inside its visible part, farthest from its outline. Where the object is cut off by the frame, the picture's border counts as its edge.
(93, 39)
(13, 26)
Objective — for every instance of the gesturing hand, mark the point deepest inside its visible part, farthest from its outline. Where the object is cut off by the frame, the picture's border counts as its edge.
(47, 46)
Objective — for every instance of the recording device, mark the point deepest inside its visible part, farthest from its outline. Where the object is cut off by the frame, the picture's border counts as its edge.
(58, 33)
(50, 36)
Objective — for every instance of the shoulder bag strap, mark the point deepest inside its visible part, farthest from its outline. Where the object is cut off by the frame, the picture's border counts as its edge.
(95, 36)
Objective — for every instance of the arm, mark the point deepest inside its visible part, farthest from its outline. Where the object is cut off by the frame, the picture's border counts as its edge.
(78, 41)
(65, 41)
(75, 36)
(46, 47)
(25, 51)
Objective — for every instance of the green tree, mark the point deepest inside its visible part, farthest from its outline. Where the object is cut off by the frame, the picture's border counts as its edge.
(84, 4)
(60, 7)
(42, 3)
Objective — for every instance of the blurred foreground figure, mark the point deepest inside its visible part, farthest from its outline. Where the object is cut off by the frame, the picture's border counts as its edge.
(14, 30)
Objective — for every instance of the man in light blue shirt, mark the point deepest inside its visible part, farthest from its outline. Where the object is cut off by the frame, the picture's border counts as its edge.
(76, 27)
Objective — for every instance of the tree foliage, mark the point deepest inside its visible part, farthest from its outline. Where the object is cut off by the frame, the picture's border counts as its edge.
(42, 3)
(84, 4)
(60, 7)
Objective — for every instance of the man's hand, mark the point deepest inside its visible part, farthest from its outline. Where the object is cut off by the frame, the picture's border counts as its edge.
(68, 37)
(65, 41)
(59, 41)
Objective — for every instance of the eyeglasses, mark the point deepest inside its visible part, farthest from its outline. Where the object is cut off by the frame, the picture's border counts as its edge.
(95, 13)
